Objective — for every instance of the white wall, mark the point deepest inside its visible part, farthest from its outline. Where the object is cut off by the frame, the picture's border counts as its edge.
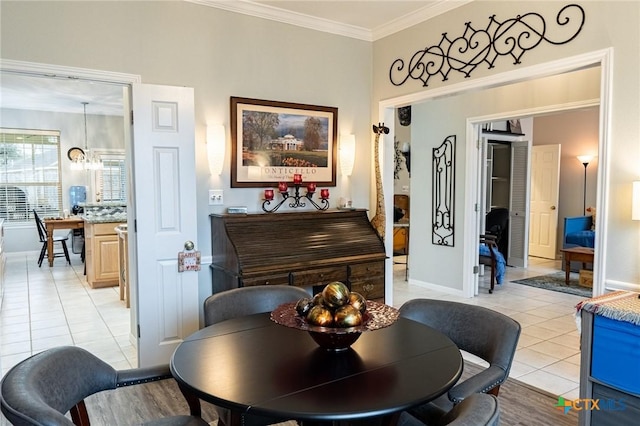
(577, 133)
(218, 53)
(433, 122)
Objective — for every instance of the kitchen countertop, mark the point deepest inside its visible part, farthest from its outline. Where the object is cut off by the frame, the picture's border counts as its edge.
(108, 218)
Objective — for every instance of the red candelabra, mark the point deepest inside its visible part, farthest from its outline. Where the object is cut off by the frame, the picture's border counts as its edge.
(297, 200)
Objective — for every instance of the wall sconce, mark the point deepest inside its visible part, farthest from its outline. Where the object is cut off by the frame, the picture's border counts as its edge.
(347, 153)
(585, 160)
(635, 203)
(406, 151)
(215, 148)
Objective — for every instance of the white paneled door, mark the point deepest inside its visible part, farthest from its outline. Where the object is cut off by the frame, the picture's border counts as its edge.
(165, 212)
(545, 178)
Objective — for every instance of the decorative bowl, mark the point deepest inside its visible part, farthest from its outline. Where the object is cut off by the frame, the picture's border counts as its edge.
(377, 315)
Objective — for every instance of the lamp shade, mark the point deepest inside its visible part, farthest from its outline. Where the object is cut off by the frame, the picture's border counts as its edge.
(585, 159)
(215, 148)
(635, 203)
(347, 153)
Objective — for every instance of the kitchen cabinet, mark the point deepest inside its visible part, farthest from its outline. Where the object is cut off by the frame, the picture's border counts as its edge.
(101, 254)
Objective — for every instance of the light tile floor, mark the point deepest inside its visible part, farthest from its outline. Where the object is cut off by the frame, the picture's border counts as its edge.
(45, 307)
(548, 353)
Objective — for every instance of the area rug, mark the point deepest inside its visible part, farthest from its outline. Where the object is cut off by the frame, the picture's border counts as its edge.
(520, 405)
(555, 282)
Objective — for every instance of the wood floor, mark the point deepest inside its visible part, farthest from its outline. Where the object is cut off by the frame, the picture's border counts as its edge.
(520, 405)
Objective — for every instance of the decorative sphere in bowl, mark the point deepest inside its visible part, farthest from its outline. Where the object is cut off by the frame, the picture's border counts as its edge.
(376, 316)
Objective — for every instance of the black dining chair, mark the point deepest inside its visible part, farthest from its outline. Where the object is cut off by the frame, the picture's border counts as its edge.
(479, 331)
(479, 409)
(42, 233)
(243, 301)
(489, 258)
(41, 389)
(497, 224)
(248, 301)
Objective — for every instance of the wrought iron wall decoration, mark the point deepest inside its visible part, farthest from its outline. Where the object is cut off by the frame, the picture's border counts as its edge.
(463, 54)
(443, 192)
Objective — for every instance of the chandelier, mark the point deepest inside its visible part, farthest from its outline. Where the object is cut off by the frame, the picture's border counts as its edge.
(85, 160)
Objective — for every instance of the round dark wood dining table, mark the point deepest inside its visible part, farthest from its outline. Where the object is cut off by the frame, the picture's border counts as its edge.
(253, 365)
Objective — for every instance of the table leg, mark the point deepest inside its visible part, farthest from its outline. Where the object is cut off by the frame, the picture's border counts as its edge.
(50, 245)
(567, 268)
(192, 401)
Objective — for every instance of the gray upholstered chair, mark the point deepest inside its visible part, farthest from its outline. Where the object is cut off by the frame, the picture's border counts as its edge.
(248, 301)
(482, 332)
(479, 409)
(45, 386)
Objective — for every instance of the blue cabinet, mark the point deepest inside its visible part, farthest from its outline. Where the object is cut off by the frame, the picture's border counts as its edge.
(609, 370)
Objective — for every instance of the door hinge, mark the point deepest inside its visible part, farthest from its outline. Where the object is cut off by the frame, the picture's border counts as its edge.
(135, 225)
(132, 118)
(138, 331)
(476, 208)
(476, 270)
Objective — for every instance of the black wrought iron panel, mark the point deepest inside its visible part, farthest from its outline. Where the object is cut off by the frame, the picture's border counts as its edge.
(512, 38)
(444, 192)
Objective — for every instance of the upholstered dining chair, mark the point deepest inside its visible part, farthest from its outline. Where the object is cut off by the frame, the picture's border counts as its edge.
(42, 234)
(248, 301)
(243, 301)
(42, 388)
(479, 409)
(482, 332)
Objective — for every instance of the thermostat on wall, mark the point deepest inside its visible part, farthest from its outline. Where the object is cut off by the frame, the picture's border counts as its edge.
(236, 210)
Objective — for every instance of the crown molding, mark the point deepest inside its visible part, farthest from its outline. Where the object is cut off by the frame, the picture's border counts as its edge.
(287, 17)
(325, 25)
(423, 14)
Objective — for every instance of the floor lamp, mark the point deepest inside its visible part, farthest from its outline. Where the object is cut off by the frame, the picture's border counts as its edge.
(585, 159)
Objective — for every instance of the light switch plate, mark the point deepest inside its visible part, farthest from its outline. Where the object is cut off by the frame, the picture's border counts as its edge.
(215, 197)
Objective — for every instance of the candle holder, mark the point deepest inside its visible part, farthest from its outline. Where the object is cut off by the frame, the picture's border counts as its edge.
(297, 200)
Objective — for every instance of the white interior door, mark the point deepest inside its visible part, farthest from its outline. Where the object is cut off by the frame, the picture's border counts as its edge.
(165, 218)
(519, 204)
(545, 180)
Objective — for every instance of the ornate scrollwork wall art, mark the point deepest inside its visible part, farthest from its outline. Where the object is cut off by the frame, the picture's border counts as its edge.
(513, 38)
(443, 192)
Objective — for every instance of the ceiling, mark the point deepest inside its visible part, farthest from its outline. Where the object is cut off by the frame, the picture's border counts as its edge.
(361, 19)
(19, 91)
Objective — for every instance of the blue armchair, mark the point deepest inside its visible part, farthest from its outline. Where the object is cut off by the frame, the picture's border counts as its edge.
(578, 233)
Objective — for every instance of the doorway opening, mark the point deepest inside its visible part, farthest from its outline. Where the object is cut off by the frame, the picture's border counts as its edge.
(552, 185)
(60, 91)
(471, 196)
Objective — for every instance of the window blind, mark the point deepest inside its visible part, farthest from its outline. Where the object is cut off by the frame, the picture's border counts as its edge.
(111, 180)
(29, 174)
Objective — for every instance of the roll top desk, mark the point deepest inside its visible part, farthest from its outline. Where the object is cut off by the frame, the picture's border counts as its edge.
(305, 249)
